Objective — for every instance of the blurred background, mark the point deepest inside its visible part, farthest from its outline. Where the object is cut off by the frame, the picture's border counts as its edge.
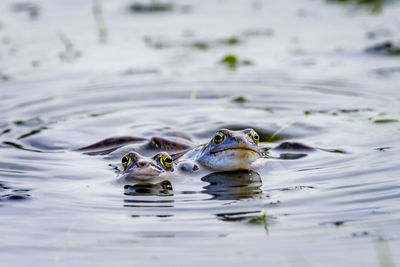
(161, 39)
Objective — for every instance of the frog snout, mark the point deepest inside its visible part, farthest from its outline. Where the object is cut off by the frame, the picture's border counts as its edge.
(143, 163)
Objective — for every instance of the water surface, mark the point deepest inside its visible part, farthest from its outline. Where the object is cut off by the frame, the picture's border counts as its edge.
(336, 206)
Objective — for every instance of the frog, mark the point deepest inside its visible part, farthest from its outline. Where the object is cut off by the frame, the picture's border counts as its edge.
(139, 167)
(227, 150)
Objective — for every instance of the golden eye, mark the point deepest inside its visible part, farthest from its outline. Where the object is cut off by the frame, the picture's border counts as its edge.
(126, 161)
(255, 137)
(219, 137)
(166, 160)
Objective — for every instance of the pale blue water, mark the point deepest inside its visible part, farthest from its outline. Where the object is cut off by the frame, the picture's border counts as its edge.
(59, 207)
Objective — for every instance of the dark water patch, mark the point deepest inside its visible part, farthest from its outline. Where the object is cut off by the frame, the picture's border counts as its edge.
(15, 197)
(151, 7)
(33, 132)
(156, 215)
(360, 234)
(9, 193)
(146, 206)
(31, 8)
(237, 216)
(133, 71)
(293, 188)
(334, 150)
(7, 144)
(5, 131)
(291, 156)
(294, 146)
(386, 72)
(383, 148)
(337, 224)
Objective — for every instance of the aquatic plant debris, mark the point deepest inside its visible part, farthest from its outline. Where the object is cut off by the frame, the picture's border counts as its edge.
(386, 121)
(240, 99)
(387, 48)
(260, 219)
(201, 44)
(153, 6)
(374, 6)
(231, 61)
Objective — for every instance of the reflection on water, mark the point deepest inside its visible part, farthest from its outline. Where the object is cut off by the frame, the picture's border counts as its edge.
(147, 195)
(233, 185)
(163, 188)
(13, 194)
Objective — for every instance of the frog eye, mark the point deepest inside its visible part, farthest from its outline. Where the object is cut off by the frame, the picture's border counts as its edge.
(219, 137)
(255, 137)
(126, 161)
(166, 160)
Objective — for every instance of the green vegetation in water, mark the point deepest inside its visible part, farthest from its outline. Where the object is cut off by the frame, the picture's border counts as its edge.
(239, 99)
(386, 121)
(393, 52)
(231, 61)
(260, 219)
(374, 6)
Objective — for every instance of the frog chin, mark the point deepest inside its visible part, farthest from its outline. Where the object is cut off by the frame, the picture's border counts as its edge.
(232, 159)
(144, 173)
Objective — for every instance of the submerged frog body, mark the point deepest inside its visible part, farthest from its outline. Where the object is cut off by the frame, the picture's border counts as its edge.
(116, 147)
(143, 168)
(227, 151)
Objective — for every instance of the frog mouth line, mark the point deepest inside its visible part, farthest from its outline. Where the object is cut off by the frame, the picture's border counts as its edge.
(234, 148)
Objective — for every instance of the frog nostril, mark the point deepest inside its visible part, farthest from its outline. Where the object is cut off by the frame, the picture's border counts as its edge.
(142, 163)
